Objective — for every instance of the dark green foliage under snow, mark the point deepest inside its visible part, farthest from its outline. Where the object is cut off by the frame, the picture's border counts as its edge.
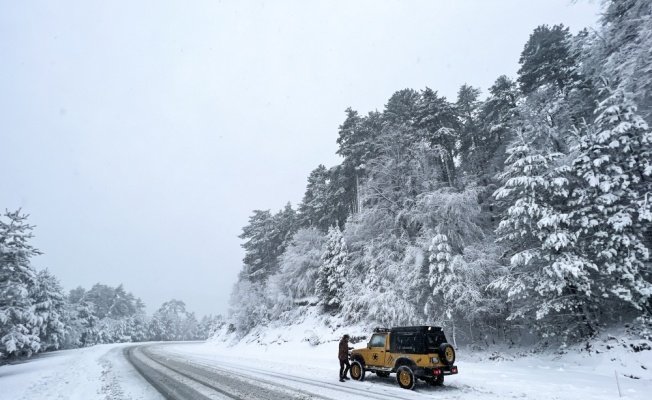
(528, 211)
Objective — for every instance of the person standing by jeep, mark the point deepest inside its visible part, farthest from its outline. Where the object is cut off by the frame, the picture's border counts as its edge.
(343, 355)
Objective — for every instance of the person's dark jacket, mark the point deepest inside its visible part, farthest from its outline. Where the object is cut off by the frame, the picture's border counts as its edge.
(344, 350)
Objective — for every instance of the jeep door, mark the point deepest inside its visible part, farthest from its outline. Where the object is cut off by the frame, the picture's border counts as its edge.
(377, 350)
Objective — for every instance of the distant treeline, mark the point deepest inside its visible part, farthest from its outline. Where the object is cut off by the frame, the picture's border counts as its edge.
(36, 315)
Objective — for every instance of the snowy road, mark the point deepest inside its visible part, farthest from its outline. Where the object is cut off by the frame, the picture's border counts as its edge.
(295, 372)
(280, 369)
(176, 377)
(179, 375)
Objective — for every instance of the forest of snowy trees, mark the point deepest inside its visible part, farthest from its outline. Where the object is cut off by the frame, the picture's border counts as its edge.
(526, 211)
(36, 315)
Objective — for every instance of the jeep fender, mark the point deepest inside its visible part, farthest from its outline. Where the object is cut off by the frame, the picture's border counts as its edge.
(358, 358)
(404, 360)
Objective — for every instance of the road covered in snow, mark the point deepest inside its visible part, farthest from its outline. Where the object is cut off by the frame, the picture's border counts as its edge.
(301, 371)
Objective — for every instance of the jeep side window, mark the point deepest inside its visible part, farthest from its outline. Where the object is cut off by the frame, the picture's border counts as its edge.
(377, 341)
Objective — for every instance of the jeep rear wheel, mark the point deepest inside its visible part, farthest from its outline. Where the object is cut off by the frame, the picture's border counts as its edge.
(447, 354)
(405, 377)
(357, 371)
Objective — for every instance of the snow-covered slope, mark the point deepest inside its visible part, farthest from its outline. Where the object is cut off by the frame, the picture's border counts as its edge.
(589, 372)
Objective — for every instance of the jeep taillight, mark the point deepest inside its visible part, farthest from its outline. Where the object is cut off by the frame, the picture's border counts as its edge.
(437, 372)
(454, 370)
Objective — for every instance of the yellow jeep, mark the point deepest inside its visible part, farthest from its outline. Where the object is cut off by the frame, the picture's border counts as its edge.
(412, 352)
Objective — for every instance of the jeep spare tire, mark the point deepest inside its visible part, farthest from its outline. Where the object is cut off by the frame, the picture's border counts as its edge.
(357, 371)
(447, 354)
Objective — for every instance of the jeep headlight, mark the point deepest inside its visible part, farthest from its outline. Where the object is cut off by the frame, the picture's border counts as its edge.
(435, 360)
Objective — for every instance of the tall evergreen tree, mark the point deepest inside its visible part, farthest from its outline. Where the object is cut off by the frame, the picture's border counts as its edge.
(401, 108)
(547, 59)
(266, 238)
(19, 326)
(613, 205)
(301, 262)
(471, 136)
(548, 280)
(315, 208)
(172, 322)
(621, 53)
(260, 252)
(440, 126)
(497, 116)
(332, 272)
(49, 306)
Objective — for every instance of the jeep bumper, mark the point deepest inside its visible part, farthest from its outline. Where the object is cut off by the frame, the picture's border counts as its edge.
(431, 372)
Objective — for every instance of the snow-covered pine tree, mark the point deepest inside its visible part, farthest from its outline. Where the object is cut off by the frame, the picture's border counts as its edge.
(102, 297)
(548, 280)
(463, 260)
(622, 52)
(19, 326)
(86, 323)
(471, 135)
(123, 304)
(299, 266)
(172, 322)
(439, 271)
(385, 278)
(261, 252)
(139, 327)
(332, 272)
(190, 327)
(439, 124)
(613, 205)
(266, 237)
(547, 59)
(497, 115)
(401, 108)
(249, 306)
(313, 209)
(208, 325)
(49, 305)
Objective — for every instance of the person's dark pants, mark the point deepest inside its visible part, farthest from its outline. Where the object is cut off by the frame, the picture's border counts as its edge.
(344, 368)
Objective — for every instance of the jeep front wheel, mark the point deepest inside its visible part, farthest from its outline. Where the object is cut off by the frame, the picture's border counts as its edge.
(357, 371)
(405, 377)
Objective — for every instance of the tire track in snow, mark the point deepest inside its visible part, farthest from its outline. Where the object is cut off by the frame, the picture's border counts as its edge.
(165, 383)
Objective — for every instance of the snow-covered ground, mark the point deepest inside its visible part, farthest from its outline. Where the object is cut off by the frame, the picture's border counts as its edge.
(286, 356)
(98, 372)
(499, 374)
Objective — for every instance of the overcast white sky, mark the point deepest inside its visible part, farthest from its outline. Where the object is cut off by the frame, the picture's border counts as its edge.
(140, 135)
